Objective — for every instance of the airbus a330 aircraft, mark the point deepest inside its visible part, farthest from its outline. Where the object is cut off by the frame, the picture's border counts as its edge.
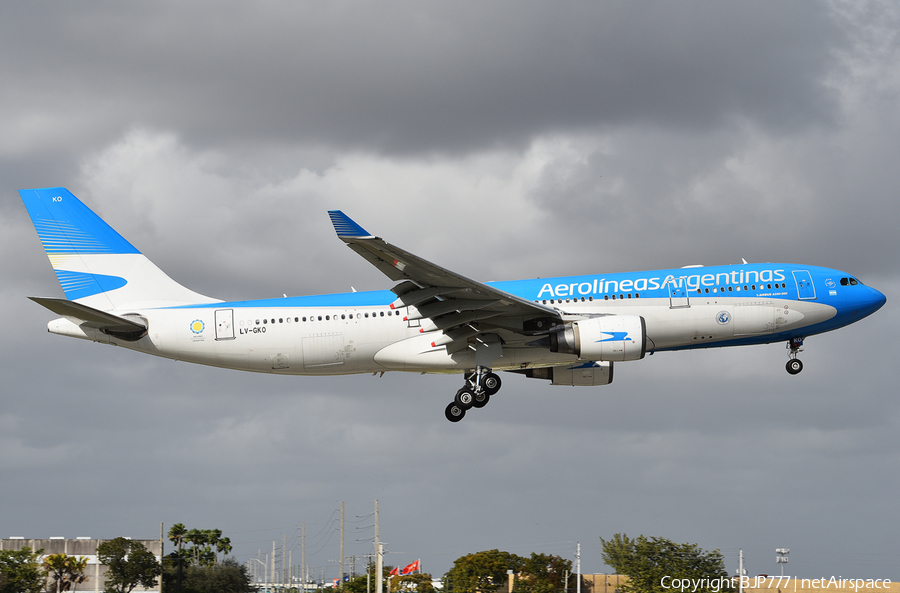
(568, 330)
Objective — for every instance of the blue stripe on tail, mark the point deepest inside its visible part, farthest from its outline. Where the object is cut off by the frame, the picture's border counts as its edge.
(66, 226)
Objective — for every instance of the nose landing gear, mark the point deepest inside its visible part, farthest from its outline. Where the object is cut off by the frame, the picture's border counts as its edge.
(480, 385)
(794, 365)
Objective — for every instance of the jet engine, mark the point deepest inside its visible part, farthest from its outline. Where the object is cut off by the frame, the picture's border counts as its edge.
(608, 338)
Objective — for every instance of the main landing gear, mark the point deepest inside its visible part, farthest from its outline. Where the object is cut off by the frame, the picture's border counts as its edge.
(794, 365)
(480, 385)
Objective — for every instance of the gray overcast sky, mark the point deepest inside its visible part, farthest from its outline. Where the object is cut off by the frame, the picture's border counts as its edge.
(500, 140)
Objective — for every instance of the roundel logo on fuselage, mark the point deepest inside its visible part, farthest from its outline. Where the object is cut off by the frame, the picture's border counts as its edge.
(723, 317)
(197, 326)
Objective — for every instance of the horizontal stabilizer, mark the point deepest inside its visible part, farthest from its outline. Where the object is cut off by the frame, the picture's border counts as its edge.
(88, 316)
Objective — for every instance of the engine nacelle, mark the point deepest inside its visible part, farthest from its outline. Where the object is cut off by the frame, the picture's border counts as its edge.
(609, 338)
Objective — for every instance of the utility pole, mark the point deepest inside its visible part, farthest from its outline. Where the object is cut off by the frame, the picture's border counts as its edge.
(162, 551)
(273, 562)
(578, 565)
(303, 558)
(740, 571)
(379, 567)
(378, 560)
(342, 545)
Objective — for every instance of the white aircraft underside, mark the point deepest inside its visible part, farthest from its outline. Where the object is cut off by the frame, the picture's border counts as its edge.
(568, 330)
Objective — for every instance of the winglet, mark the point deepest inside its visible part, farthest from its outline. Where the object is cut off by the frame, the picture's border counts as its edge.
(345, 227)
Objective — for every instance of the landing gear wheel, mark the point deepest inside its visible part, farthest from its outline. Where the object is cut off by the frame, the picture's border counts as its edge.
(454, 412)
(465, 398)
(491, 383)
(481, 399)
(794, 366)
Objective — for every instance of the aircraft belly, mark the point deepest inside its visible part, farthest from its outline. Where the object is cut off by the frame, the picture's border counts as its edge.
(418, 355)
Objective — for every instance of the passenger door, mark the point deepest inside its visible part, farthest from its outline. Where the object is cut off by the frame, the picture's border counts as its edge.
(806, 291)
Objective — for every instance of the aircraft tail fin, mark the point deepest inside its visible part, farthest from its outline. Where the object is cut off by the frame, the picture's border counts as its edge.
(94, 264)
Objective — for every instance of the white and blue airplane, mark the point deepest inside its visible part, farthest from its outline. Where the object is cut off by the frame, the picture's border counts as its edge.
(569, 330)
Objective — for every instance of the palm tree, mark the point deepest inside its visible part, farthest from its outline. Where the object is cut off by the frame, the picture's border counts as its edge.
(196, 537)
(223, 545)
(78, 566)
(65, 570)
(212, 542)
(177, 533)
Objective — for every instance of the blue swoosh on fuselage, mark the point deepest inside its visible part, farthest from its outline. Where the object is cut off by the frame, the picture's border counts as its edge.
(747, 280)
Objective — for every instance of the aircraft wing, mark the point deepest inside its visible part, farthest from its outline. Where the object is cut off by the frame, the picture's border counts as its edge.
(452, 302)
(88, 316)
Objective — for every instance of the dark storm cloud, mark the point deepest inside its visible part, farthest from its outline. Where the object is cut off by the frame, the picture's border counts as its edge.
(499, 140)
(439, 77)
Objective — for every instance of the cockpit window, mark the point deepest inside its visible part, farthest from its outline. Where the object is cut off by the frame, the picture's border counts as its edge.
(853, 282)
(850, 281)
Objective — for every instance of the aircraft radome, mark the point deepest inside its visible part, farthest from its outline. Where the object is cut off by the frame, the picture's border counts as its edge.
(568, 330)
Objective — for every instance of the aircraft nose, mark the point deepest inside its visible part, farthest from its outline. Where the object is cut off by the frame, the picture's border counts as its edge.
(868, 302)
(878, 300)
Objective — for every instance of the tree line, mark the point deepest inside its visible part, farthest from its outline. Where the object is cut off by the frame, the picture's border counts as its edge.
(128, 563)
(194, 567)
(646, 561)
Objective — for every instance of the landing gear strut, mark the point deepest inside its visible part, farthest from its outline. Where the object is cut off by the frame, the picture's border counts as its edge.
(480, 385)
(794, 365)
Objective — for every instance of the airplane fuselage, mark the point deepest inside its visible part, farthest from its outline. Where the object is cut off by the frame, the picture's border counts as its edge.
(359, 332)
